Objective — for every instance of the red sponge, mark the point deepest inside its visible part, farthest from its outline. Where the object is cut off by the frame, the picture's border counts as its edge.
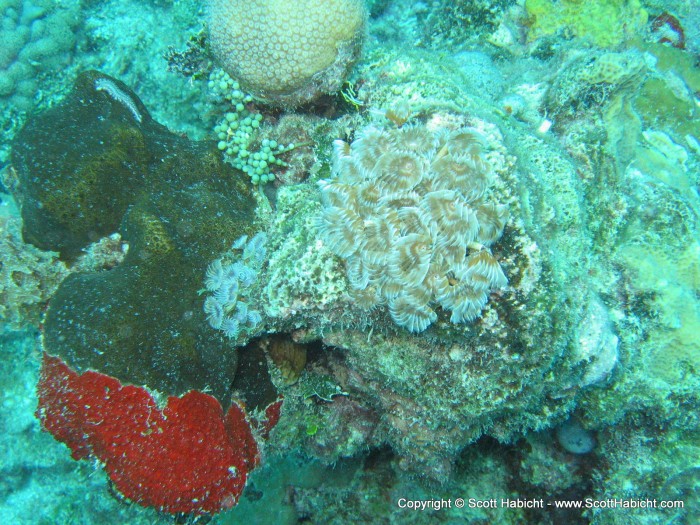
(184, 457)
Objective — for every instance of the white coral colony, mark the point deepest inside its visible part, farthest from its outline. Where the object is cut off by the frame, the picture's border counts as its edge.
(229, 284)
(406, 209)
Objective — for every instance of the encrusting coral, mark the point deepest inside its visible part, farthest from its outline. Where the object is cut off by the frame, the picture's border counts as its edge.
(408, 210)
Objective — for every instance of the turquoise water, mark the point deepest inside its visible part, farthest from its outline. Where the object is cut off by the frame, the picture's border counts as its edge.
(458, 239)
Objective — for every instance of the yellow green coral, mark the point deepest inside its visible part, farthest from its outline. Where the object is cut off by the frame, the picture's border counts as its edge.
(606, 23)
(674, 279)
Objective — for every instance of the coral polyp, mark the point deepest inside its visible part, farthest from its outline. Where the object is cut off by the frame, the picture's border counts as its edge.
(230, 285)
(407, 208)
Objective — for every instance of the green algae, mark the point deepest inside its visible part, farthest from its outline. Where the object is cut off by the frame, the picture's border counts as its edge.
(174, 202)
(667, 100)
(606, 23)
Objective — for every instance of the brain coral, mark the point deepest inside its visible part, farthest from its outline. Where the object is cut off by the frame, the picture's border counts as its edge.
(287, 55)
(408, 211)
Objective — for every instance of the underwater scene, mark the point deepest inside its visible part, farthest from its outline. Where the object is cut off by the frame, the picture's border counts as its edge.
(350, 261)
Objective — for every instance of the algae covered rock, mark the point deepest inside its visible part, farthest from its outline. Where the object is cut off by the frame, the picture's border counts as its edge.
(605, 23)
(98, 164)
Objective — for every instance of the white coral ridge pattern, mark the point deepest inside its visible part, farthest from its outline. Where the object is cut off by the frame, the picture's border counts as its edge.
(229, 283)
(408, 211)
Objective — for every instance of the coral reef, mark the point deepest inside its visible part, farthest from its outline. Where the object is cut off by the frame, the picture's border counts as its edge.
(576, 379)
(616, 337)
(430, 395)
(673, 280)
(287, 56)
(590, 80)
(314, 287)
(446, 21)
(519, 366)
(636, 152)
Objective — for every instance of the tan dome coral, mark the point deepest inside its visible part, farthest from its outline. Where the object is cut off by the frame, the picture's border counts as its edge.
(287, 52)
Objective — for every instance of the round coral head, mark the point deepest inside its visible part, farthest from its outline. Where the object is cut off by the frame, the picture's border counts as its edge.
(287, 53)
